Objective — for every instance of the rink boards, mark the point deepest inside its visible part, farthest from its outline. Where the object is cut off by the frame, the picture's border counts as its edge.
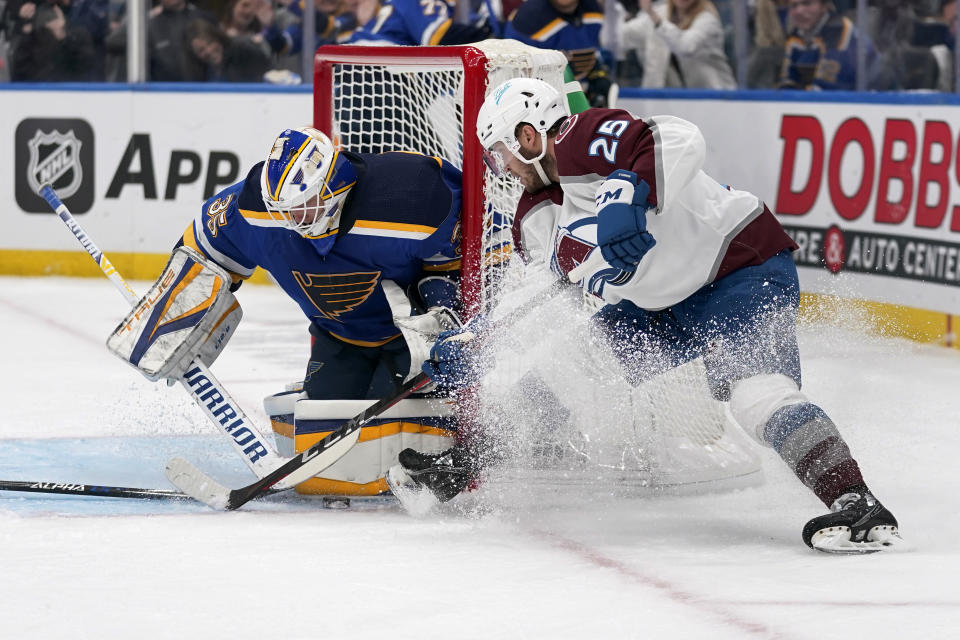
(867, 184)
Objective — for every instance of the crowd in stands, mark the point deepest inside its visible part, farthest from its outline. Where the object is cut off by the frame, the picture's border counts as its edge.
(792, 44)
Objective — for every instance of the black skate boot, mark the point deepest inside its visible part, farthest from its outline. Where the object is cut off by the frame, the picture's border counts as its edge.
(858, 523)
(422, 479)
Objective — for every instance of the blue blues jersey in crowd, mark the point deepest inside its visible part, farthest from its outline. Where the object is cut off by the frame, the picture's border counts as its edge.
(577, 34)
(826, 59)
(407, 22)
(400, 222)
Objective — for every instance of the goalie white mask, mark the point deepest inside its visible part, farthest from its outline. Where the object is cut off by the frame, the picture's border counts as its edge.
(518, 100)
(304, 183)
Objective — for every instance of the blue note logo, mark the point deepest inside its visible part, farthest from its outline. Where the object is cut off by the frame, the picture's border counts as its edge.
(58, 151)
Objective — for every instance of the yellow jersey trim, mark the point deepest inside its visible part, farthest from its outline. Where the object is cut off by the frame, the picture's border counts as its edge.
(394, 226)
(364, 343)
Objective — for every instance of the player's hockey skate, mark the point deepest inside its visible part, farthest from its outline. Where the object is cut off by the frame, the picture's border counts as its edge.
(423, 480)
(858, 523)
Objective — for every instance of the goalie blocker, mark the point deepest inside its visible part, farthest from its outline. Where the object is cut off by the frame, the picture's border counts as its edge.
(188, 314)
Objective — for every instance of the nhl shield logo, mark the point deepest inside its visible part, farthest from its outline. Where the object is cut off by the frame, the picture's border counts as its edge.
(55, 159)
(58, 151)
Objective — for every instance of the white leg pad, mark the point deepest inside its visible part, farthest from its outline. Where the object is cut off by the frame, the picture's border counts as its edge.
(754, 400)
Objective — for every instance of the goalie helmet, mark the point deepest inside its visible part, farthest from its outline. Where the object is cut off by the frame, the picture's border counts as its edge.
(305, 181)
(518, 100)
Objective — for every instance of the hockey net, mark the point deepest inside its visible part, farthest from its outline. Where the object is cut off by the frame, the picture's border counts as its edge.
(666, 431)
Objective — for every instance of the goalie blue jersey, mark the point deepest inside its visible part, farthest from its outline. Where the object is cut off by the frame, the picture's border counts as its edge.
(400, 222)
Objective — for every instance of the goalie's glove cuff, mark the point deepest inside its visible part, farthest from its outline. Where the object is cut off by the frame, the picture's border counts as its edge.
(431, 323)
(455, 360)
(622, 220)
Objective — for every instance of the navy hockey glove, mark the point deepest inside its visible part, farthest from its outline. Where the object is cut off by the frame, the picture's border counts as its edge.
(453, 362)
(622, 220)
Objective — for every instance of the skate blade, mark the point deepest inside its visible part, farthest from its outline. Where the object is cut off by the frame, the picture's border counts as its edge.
(416, 499)
(837, 540)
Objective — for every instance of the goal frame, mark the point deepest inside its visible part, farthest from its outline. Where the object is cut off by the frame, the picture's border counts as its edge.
(474, 64)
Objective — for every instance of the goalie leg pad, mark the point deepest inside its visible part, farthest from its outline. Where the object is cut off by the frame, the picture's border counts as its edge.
(189, 313)
(423, 424)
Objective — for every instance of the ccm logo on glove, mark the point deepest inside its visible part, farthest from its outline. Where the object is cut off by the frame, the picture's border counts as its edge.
(622, 220)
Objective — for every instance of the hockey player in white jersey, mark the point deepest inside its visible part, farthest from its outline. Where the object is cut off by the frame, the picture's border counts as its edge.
(689, 267)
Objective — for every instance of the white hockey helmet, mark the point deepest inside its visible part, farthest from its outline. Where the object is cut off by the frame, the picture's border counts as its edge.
(517, 100)
(304, 182)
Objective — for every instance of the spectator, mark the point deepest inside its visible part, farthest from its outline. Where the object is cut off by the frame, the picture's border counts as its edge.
(680, 44)
(167, 47)
(93, 16)
(943, 50)
(335, 21)
(247, 18)
(571, 26)
(770, 35)
(903, 41)
(416, 22)
(821, 49)
(49, 51)
(226, 59)
(17, 19)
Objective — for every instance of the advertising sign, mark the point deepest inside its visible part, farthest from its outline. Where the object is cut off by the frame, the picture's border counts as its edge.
(133, 166)
(870, 192)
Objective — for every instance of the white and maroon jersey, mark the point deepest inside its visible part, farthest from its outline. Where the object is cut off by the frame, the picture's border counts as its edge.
(704, 230)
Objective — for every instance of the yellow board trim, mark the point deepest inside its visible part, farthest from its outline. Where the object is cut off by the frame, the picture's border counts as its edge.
(889, 320)
(132, 266)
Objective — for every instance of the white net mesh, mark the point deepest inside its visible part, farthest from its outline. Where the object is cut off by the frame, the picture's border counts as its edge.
(667, 431)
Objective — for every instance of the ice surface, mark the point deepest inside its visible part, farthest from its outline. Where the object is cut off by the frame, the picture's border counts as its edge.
(541, 565)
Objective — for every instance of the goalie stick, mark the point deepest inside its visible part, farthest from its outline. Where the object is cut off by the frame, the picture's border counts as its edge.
(221, 409)
(328, 450)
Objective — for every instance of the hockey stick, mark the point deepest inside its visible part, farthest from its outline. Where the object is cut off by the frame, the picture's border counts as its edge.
(92, 490)
(331, 448)
(99, 491)
(206, 391)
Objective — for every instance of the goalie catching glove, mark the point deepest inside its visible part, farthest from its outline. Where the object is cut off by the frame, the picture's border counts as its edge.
(188, 314)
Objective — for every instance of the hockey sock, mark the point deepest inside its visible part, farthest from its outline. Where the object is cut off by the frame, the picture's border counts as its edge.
(809, 442)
